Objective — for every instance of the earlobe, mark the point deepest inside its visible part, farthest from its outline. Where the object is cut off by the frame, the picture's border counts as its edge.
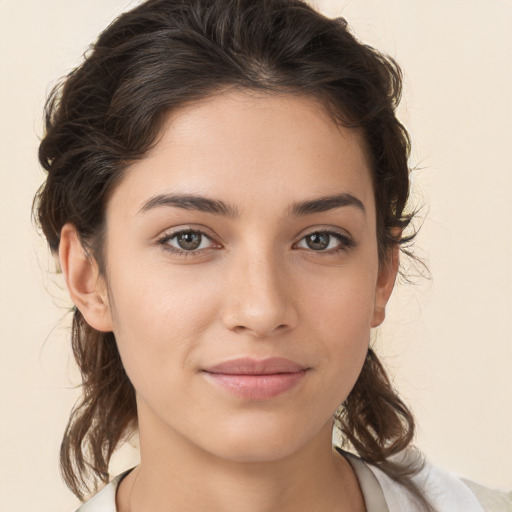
(84, 283)
(385, 283)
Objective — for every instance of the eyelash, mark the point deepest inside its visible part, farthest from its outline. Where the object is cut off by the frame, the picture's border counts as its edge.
(180, 252)
(345, 242)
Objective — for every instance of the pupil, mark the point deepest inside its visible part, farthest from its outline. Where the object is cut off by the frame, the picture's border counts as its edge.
(318, 240)
(190, 240)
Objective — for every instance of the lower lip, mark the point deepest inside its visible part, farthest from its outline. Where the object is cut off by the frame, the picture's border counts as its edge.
(257, 387)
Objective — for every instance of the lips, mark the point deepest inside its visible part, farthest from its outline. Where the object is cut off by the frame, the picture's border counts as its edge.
(256, 380)
(247, 366)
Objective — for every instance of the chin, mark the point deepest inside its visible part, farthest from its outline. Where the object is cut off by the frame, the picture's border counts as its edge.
(259, 441)
(255, 451)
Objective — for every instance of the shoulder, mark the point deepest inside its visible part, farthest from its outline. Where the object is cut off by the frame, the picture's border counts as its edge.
(104, 500)
(492, 500)
(443, 490)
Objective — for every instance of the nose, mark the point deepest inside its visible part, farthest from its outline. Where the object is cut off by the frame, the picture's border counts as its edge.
(260, 299)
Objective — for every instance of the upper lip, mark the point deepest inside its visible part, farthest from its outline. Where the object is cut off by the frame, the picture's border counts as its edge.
(249, 366)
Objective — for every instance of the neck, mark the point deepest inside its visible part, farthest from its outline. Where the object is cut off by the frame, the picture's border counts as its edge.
(175, 475)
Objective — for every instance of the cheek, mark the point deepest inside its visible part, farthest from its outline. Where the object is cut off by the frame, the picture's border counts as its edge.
(341, 318)
(342, 302)
(158, 320)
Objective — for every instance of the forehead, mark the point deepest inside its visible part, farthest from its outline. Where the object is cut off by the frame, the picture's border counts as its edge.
(253, 150)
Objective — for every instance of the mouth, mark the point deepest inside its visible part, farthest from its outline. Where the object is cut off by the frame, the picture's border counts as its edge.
(256, 379)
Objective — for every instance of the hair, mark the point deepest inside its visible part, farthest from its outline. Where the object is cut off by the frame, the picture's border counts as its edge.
(108, 113)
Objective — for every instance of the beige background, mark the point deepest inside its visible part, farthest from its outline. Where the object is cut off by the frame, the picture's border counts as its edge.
(447, 341)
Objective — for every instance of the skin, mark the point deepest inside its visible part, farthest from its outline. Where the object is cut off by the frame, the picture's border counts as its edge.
(255, 287)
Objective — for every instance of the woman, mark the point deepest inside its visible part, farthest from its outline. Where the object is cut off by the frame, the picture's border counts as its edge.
(226, 192)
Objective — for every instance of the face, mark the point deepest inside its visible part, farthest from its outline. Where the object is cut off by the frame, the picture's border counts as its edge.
(243, 275)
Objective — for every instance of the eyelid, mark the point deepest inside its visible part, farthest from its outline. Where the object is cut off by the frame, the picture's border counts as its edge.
(163, 240)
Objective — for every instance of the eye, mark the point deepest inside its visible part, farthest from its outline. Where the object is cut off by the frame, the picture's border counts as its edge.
(186, 241)
(326, 241)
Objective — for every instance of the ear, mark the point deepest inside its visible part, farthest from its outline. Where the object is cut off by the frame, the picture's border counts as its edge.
(85, 285)
(385, 284)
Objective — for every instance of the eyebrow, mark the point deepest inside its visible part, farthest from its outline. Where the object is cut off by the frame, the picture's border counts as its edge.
(191, 202)
(326, 203)
(218, 207)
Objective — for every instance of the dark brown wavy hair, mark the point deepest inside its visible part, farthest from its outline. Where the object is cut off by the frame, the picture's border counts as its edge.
(109, 111)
